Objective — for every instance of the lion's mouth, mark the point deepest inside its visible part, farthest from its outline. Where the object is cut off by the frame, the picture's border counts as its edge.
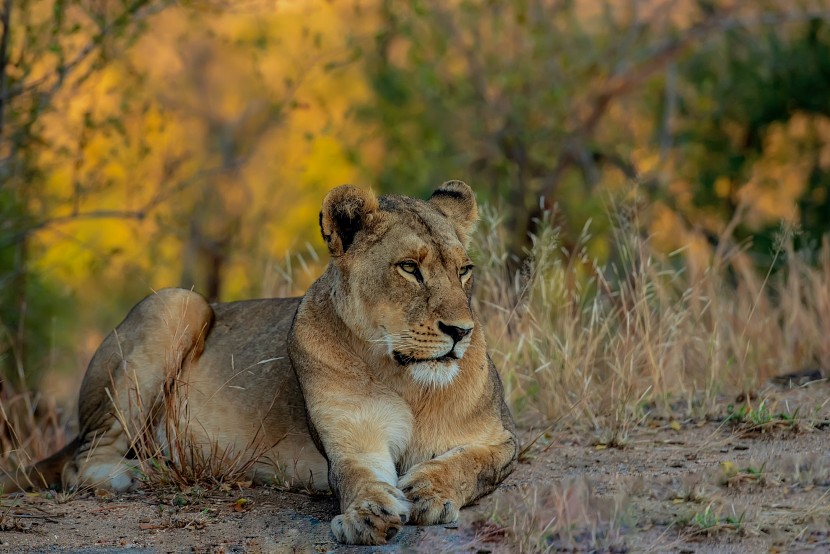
(404, 359)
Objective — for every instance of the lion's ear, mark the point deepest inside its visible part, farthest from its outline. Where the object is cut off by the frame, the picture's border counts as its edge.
(455, 199)
(346, 210)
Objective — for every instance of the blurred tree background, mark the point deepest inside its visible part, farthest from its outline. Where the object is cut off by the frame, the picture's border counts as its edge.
(150, 143)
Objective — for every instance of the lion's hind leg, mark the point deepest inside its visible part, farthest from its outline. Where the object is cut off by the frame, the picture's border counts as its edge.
(121, 398)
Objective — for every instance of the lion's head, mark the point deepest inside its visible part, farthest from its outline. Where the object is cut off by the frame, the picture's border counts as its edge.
(403, 277)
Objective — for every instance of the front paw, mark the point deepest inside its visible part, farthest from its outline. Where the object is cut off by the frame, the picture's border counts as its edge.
(432, 501)
(375, 517)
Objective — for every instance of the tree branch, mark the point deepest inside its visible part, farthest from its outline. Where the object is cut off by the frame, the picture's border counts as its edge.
(59, 220)
(61, 72)
(622, 82)
(4, 47)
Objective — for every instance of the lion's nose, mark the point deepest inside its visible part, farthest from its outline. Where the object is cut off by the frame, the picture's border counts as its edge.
(454, 331)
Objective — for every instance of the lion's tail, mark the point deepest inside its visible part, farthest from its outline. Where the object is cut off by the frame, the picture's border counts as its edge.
(45, 474)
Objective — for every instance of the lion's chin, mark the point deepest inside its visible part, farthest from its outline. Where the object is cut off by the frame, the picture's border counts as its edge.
(434, 374)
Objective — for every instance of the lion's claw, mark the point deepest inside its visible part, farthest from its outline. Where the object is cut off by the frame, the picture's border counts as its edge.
(374, 519)
(430, 504)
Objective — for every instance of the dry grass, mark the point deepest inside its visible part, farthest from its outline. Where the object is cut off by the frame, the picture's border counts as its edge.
(559, 516)
(807, 470)
(31, 427)
(598, 345)
(165, 448)
(175, 459)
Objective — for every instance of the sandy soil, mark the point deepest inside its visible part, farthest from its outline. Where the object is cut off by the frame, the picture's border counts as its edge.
(674, 486)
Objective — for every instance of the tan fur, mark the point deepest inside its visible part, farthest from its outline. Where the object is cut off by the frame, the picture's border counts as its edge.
(391, 379)
(449, 436)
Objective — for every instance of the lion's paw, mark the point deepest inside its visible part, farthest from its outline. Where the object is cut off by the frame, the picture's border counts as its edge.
(375, 517)
(119, 476)
(431, 502)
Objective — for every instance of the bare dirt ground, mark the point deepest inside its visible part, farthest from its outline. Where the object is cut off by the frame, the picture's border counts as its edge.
(756, 482)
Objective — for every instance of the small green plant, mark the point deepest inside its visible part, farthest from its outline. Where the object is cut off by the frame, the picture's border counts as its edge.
(762, 418)
(754, 472)
(710, 522)
(746, 414)
(732, 476)
(790, 419)
(707, 519)
(738, 414)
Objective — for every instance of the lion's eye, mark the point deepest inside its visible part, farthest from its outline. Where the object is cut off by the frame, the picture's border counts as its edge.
(408, 266)
(465, 271)
(411, 267)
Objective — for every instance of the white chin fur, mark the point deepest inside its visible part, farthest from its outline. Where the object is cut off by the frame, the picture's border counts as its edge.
(434, 374)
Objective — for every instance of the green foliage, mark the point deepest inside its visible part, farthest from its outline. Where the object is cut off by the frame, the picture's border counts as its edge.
(49, 47)
(28, 301)
(739, 85)
(545, 107)
(534, 98)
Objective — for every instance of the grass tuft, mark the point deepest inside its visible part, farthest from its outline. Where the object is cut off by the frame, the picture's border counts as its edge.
(646, 328)
(31, 428)
(566, 515)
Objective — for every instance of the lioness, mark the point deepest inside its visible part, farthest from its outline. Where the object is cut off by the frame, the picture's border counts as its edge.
(392, 401)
